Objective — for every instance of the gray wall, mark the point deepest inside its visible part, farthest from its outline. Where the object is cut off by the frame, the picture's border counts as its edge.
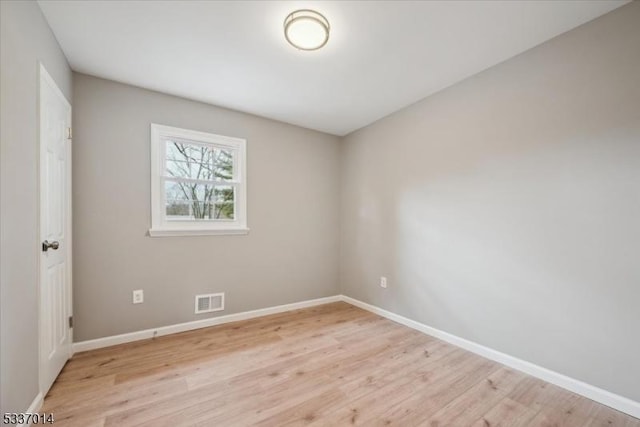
(25, 39)
(290, 254)
(506, 209)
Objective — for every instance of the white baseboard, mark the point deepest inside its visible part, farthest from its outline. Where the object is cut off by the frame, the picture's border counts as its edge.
(36, 405)
(599, 395)
(197, 324)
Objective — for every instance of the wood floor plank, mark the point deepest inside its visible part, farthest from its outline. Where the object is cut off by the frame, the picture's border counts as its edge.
(390, 403)
(329, 365)
(506, 413)
(478, 400)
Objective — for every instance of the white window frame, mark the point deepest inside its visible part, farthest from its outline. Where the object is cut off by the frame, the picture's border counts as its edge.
(160, 225)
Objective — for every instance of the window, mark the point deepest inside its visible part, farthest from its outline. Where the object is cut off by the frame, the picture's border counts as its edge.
(198, 183)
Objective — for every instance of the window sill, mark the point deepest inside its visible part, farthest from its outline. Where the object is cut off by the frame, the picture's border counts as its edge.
(168, 232)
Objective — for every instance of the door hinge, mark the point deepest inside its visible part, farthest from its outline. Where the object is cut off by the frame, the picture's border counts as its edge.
(71, 321)
(69, 133)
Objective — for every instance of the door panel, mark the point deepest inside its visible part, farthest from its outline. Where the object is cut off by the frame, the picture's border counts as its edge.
(55, 227)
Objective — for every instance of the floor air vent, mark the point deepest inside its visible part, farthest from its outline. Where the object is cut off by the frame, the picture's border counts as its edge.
(209, 302)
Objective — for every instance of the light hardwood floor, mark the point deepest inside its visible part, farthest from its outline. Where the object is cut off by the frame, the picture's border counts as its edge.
(330, 365)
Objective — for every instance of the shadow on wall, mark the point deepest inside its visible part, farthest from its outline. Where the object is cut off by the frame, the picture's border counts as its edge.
(506, 226)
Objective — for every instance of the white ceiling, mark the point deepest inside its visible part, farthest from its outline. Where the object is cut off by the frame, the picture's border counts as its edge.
(382, 55)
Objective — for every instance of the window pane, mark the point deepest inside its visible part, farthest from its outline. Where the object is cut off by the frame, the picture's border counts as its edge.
(191, 201)
(224, 207)
(201, 162)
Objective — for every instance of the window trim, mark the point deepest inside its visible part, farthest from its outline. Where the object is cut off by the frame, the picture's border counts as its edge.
(160, 226)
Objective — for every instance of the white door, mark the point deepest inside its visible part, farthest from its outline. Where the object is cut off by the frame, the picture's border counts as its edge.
(55, 230)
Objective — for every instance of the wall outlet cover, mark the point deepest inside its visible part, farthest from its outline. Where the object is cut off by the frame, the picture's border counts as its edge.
(383, 282)
(138, 296)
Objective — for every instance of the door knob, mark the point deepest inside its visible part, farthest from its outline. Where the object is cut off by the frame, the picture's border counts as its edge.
(46, 245)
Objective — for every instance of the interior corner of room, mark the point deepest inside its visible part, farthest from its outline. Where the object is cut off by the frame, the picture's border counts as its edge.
(494, 208)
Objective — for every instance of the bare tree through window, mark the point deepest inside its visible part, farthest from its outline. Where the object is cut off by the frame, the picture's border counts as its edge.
(198, 182)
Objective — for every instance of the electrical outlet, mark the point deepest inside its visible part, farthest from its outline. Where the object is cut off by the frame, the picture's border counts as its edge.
(383, 282)
(138, 296)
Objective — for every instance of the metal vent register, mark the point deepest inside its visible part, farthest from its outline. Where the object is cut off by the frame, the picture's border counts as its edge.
(209, 302)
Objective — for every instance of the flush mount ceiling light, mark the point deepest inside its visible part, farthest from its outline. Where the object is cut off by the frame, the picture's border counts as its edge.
(306, 29)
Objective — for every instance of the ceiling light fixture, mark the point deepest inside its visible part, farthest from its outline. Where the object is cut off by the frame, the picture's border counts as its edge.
(306, 29)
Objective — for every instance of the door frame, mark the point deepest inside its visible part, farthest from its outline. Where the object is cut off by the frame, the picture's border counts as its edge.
(44, 76)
